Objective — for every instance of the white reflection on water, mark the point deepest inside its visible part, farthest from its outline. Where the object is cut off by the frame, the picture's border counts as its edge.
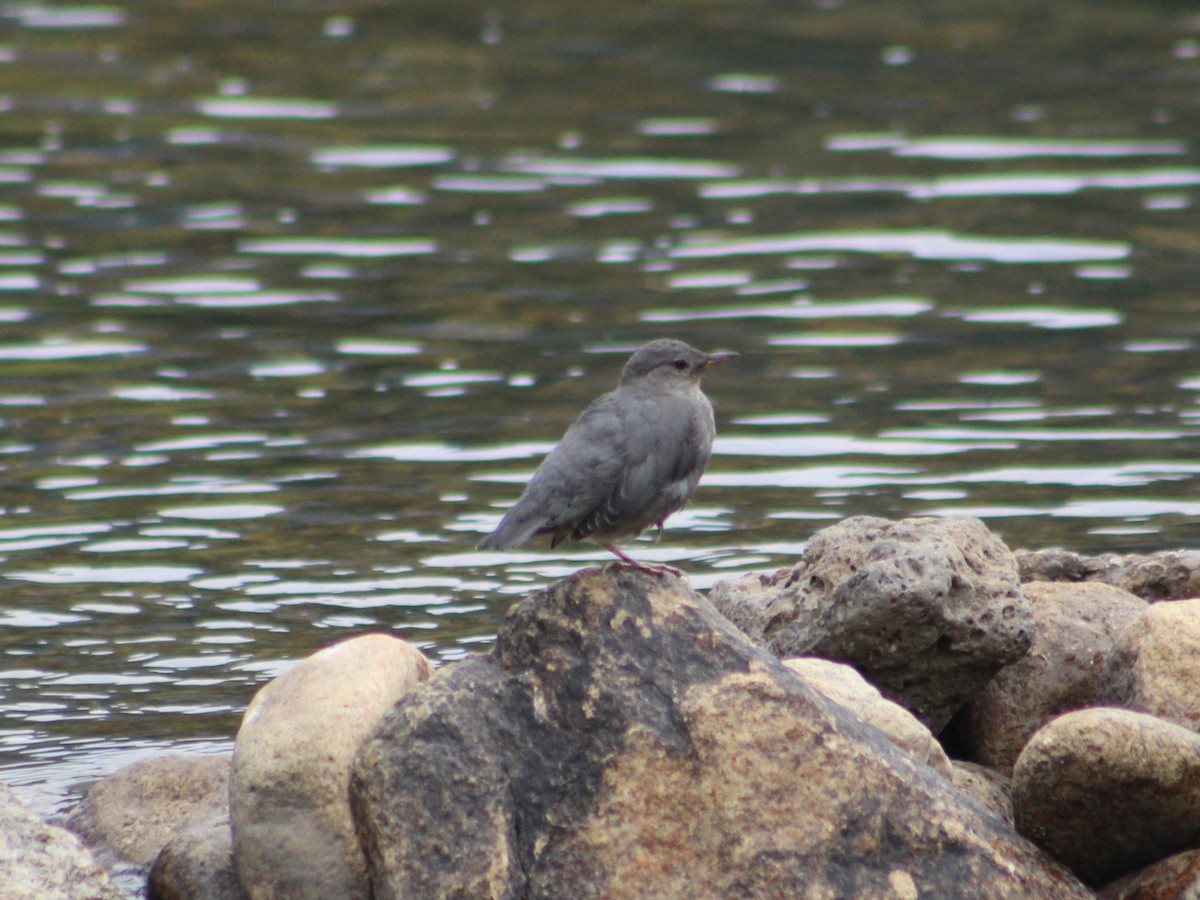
(799, 309)
(222, 511)
(67, 349)
(369, 248)
(256, 299)
(431, 452)
(37, 15)
(383, 156)
(373, 347)
(991, 147)
(846, 445)
(200, 442)
(1136, 509)
(265, 108)
(489, 184)
(107, 575)
(158, 393)
(934, 245)
(1045, 317)
(622, 167)
(197, 485)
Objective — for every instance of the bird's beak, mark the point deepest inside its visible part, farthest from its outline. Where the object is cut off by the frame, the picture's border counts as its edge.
(714, 358)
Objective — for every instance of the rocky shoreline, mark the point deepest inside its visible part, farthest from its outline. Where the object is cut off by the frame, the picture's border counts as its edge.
(910, 710)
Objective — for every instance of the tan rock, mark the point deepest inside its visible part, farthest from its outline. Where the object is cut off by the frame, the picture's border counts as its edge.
(1108, 790)
(842, 684)
(292, 833)
(135, 810)
(1155, 664)
(44, 861)
(988, 786)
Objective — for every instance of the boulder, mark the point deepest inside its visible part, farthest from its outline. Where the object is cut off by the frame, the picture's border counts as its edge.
(1155, 664)
(624, 740)
(197, 864)
(1107, 791)
(1077, 625)
(988, 786)
(928, 610)
(292, 834)
(134, 811)
(1174, 878)
(842, 684)
(44, 861)
(1168, 574)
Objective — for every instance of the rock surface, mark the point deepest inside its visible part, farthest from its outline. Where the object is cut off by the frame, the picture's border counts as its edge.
(1107, 791)
(842, 684)
(1155, 664)
(1166, 575)
(135, 810)
(1174, 878)
(928, 610)
(197, 864)
(43, 861)
(292, 834)
(624, 740)
(988, 786)
(1077, 625)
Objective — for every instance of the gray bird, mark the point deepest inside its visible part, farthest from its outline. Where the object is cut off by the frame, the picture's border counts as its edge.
(631, 460)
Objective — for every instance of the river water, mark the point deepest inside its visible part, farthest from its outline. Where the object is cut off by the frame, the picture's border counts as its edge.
(293, 296)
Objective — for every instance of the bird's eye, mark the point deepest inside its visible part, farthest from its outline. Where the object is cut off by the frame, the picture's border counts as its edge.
(680, 364)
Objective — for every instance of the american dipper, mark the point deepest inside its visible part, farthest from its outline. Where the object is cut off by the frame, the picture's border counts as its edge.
(633, 458)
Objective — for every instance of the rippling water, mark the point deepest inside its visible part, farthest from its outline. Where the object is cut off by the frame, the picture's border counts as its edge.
(293, 299)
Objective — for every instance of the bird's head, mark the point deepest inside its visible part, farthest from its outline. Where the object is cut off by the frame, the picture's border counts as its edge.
(667, 361)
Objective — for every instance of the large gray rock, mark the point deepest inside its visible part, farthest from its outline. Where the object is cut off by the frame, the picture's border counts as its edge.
(135, 810)
(1155, 664)
(623, 740)
(43, 861)
(928, 610)
(1165, 575)
(292, 834)
(1107, 791)
(1077, 625)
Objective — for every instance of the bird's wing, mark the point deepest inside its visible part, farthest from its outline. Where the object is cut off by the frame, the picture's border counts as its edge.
(571, 481)
(662, 462)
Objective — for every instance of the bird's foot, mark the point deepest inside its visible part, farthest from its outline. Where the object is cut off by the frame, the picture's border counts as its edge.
(659, 570)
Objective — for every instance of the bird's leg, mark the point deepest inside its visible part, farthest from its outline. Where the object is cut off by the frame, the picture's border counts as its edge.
(652, 568)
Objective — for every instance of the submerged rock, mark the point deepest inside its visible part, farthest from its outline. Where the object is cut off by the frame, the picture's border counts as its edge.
(134, 811)
(928, 610)
(623, 739)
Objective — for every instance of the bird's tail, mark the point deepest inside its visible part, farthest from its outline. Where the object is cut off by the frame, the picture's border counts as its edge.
(515, 528)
